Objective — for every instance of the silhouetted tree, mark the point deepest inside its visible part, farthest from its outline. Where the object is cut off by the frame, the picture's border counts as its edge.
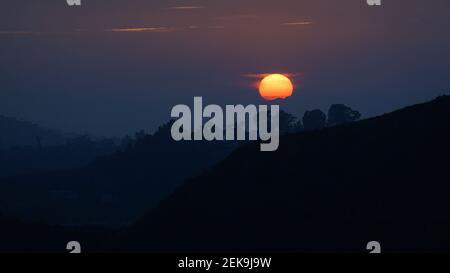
(288, 123)
(314, 120)
(340, 114)
(126, 142)
(299, 126)
(140, 137)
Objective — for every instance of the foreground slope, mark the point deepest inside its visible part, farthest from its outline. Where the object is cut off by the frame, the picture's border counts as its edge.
(384, 179)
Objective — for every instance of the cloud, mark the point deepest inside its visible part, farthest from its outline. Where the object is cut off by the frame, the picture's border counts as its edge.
(255, 76)
(262, 75)
(113, 30)
(293, 24)
(141, 29)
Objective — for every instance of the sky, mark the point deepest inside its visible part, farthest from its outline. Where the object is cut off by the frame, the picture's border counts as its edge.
(113, 67)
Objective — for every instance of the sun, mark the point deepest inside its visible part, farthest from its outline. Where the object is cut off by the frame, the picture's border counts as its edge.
(276, 86)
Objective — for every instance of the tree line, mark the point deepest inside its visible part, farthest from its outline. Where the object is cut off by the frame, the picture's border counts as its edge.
(316, 119)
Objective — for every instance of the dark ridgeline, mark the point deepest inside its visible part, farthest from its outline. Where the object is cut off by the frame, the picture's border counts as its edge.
(384, 179)
(335, 189)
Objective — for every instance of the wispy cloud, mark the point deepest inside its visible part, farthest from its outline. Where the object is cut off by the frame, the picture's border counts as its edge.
(293, 24)
(142, 29)
(255, 76)
(262, 75)
(156, 29)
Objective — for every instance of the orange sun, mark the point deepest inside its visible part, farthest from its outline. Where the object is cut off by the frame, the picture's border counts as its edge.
(276, 86)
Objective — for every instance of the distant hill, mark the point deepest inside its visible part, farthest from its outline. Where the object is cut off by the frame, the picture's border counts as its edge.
(26, 148)
(385, 179)
(14, 132)
(74, 153)
(115, 189)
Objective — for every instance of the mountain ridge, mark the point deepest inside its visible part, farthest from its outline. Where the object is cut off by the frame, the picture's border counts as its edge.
(331, 190)
(401, 157)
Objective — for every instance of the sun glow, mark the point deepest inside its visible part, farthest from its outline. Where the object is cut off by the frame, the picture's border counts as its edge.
(276, 86)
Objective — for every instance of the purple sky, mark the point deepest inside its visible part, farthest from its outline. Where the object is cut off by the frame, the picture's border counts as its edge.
(112, 67)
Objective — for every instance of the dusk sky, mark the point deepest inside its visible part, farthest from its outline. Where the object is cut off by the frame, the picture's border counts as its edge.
(112, 67)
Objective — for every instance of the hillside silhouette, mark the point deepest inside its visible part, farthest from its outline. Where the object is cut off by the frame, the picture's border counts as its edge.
(329, 190)
(113, 190)
(384, 179)
(91, 184)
